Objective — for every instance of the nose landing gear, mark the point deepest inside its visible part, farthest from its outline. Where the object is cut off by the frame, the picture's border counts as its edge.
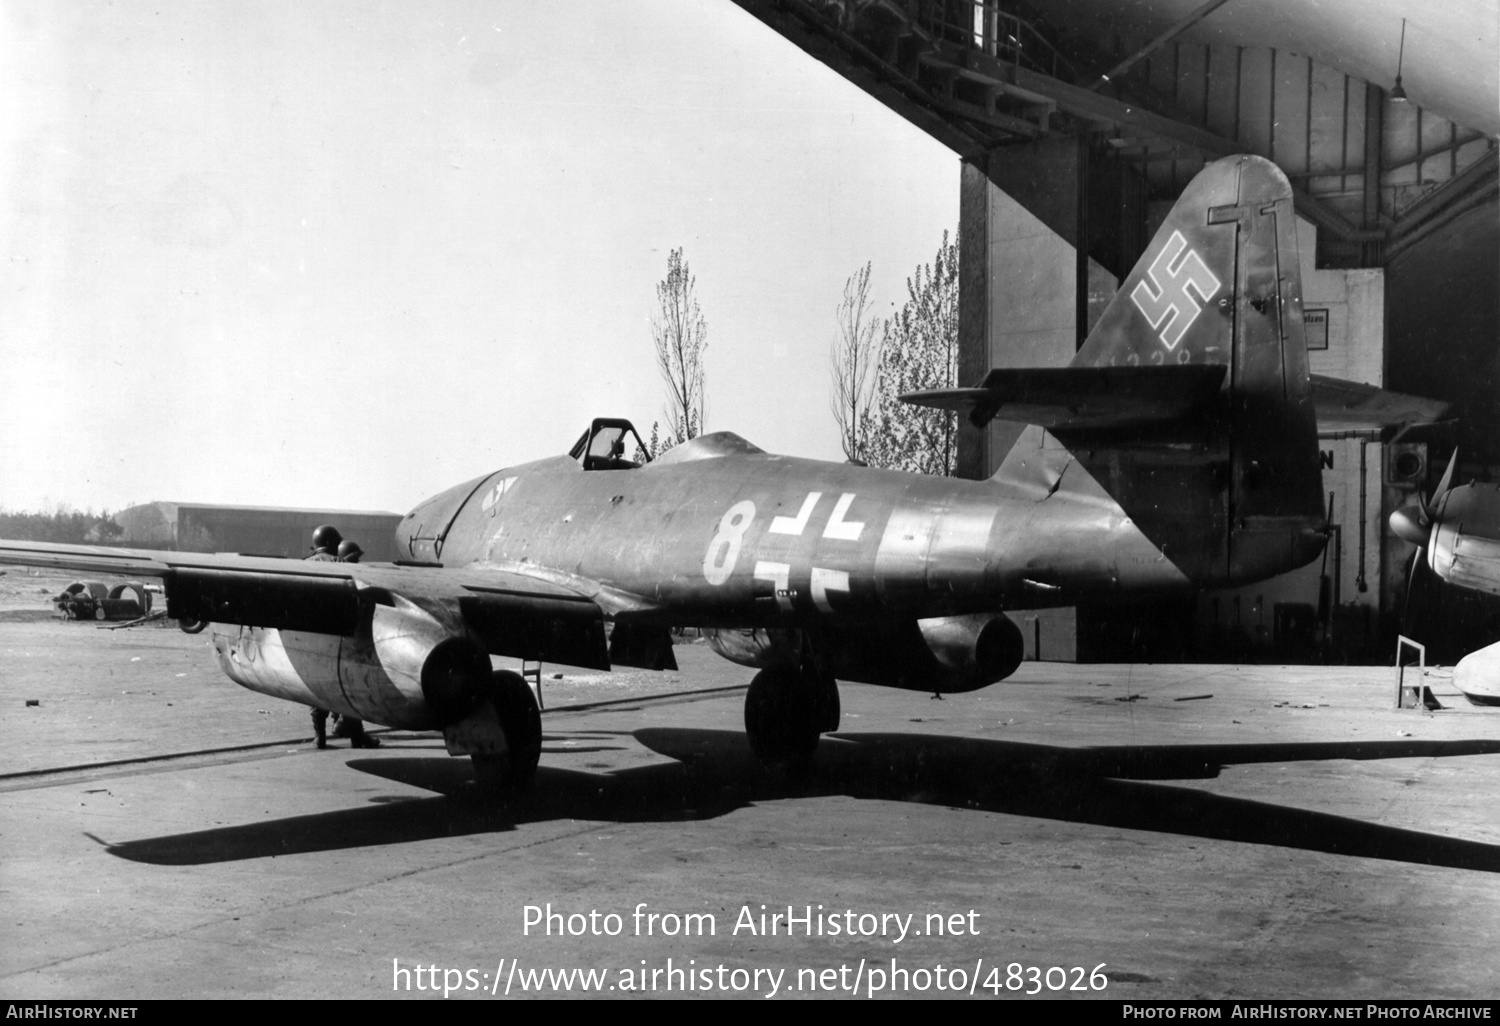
(786, 709)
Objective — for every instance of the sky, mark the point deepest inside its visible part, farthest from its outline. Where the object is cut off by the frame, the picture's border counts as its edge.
(345, 255)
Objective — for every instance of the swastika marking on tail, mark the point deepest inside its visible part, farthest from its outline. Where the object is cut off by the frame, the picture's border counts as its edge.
(1166, 302)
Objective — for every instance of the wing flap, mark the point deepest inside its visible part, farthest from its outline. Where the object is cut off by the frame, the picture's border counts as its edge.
(1082, 398)
(321, 605)
(532, 627)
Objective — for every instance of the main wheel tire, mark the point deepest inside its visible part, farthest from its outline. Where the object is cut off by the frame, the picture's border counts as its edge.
(516, 708)
(784, 714)
(832, 708)
(191, 626)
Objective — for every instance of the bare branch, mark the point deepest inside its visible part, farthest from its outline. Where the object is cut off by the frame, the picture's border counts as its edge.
(851, 361)
(680, 332)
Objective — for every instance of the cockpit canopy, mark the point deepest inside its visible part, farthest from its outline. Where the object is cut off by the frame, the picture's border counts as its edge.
(603, 445)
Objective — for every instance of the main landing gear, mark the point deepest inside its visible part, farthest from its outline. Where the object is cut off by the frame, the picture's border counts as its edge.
(504, 758)
(786, 710)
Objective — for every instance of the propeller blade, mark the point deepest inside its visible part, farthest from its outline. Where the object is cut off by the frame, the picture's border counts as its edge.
(1409, 610)
(1429, 507)
(1414, 522)
(1448, 477)
(1327, 534)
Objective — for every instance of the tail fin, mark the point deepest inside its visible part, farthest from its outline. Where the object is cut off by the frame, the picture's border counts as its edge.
(1232, 492)
(1219, 284)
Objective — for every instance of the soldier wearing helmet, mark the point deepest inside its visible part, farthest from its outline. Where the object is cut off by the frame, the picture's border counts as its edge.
(325, 543)
(330, 546)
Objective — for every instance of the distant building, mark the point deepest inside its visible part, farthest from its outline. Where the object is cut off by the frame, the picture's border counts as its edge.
(252, 530)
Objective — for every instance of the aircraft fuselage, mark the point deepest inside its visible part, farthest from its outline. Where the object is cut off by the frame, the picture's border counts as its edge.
(750, 538)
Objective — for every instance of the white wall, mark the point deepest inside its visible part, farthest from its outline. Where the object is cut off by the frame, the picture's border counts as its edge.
(1355, 301)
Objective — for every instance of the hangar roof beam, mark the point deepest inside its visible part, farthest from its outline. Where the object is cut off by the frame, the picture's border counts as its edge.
(1473, 186)
(1177, 29)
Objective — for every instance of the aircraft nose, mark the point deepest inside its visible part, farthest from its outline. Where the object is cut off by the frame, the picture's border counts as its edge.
(1407, 523)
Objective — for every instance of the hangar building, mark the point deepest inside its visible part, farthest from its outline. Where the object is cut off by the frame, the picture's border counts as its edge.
(1077, 123)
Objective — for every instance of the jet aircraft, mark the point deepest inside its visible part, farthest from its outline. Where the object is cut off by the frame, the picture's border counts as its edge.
(1177, 451)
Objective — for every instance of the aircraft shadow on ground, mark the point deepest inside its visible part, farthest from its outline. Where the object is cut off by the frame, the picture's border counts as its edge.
(714, 773)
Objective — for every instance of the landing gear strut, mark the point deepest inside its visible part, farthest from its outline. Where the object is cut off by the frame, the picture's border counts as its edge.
(786, 709)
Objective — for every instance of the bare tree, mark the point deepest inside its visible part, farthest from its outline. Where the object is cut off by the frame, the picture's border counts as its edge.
(852, 361)
(919, 349)
(681, 335)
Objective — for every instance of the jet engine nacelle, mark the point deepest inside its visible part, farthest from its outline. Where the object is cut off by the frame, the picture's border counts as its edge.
(402, 669)
(978, 649)
(943, 654)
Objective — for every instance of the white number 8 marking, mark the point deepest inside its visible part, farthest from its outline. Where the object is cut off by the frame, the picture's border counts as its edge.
(724, 550)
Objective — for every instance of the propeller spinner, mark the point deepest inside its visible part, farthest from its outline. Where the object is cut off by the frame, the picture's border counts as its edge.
(1414, 522)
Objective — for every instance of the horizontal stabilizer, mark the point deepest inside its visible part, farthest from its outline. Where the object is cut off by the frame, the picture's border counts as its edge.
(1350, 409)
(1082, 398)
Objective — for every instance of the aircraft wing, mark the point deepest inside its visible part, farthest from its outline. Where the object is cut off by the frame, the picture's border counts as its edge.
(513, 612)
(1350, 409)
(1081, 398)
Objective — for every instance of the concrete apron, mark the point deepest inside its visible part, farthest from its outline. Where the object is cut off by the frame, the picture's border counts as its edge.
(1345, 849)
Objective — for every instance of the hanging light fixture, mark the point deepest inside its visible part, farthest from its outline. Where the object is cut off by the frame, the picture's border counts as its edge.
(1398, 94)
